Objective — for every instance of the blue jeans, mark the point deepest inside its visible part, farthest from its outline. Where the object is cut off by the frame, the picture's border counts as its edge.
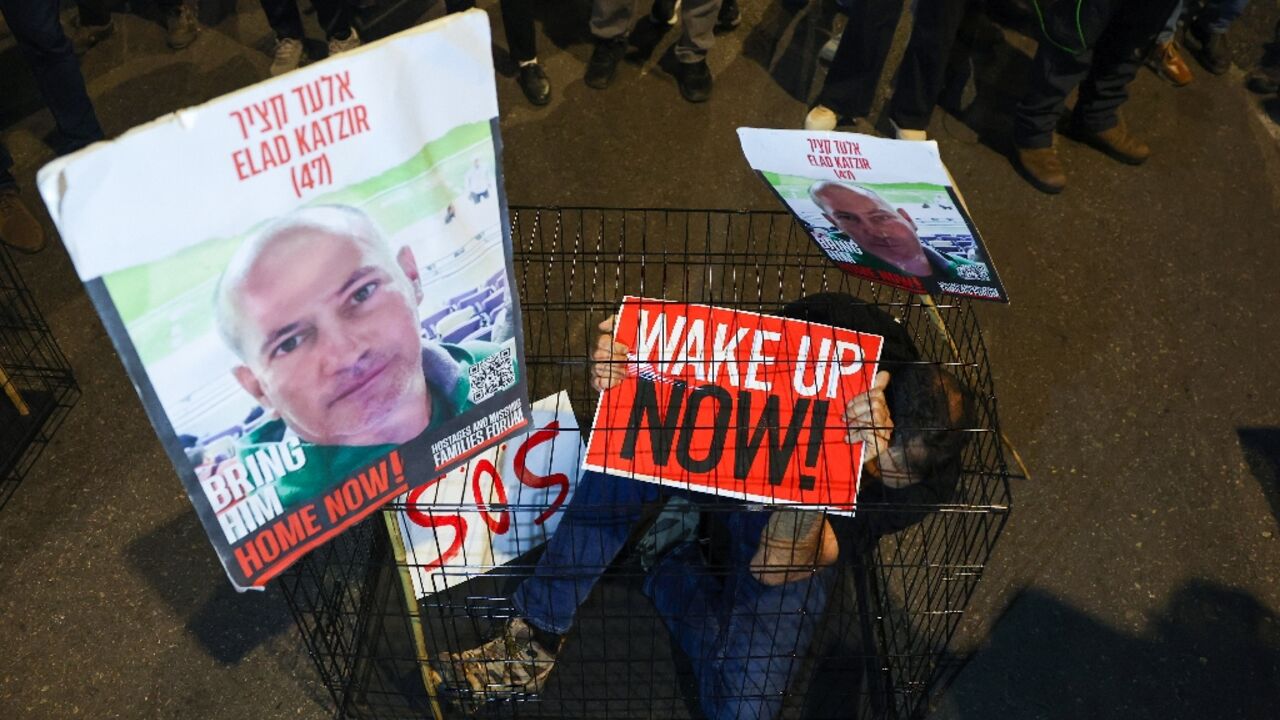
(48, 52)
(744, 639)
(1218, 16)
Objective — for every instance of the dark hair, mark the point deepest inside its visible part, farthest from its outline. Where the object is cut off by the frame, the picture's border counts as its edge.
(931, 409)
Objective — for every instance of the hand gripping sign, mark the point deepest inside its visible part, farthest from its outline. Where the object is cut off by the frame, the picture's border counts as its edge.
(734, 404)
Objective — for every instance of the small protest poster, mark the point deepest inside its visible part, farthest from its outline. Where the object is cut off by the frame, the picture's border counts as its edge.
(734, 404)
(310, 284)
(498, 506)
(882, 210)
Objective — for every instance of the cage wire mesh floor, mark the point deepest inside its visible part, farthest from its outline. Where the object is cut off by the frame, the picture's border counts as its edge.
(878, 644)
(37, 388)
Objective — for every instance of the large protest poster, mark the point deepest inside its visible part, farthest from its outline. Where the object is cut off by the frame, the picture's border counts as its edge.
(883, 210)
(497, 506)
(310, 284)
(734, 404)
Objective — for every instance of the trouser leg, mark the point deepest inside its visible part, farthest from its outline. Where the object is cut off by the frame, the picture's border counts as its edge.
(612, 19)
(855, 70)
(924, 65)
(334, 17)
(745, 640)
(595, 526)
(698, 35)
(35, 26)
(283, 17)
(517, 22)
(1115, 64)
(1219, 14)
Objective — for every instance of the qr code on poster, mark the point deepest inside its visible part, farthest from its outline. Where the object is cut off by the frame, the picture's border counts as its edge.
(492, 375)
(977, 271)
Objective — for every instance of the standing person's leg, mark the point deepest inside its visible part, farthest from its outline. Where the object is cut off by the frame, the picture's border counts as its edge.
(924, 65)
(1209, 31)
(855, 70)
(694, 76)
(611, 21)
(1055, 72)
(1165, 57)
(286, 22)
(48, 51)
(522, 42)
(335, 19)
(1096, 118)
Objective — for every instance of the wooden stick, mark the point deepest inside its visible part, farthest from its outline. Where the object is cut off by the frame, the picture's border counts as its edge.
(430, 678)
(12, 391)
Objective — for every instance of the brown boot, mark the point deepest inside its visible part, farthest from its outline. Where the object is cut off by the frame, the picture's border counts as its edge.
(1116, 142)
(1167, 60)
(19, 229)
(1042, 168)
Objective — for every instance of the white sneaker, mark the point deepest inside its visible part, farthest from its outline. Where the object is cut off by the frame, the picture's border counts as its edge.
(828, 51)
(338, 46)
(287, 56)
(821, 117)
(907, 134)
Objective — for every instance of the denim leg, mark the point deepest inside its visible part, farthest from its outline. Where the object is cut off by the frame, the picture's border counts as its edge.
(1172, 26)
(1219, 14)
(595, 526)
(48, 51)
(761, 632)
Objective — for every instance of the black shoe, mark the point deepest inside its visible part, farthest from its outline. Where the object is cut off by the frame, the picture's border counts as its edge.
(1212, 49)
(1264, 80)
(534, 83)
(730, 16)
(604, 62)
(695, 81)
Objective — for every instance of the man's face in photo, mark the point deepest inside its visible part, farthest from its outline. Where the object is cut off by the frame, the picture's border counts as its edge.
(878, 228)
(328, 332)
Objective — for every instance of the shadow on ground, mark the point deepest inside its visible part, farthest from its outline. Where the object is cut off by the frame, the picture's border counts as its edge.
(1211, 652)
(178, 565)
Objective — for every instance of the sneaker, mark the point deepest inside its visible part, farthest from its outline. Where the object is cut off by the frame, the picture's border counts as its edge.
(1042, 168)
(1167, 61)
(730, 16)
(287, 56)
(350, 42)
(695, 81)
(1212, 49)
(512, 664)
(821, 117)
(19, 229)
(1116, 141)
(603, 64)
(84, 37)
(181, 26)
(534, 83)
(827, 52)
(664, 12)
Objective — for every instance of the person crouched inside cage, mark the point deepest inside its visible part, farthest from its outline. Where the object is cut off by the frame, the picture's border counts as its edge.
(745, 601)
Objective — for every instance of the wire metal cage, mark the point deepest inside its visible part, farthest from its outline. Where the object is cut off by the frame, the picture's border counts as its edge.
(874, 644)
(37, 388)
